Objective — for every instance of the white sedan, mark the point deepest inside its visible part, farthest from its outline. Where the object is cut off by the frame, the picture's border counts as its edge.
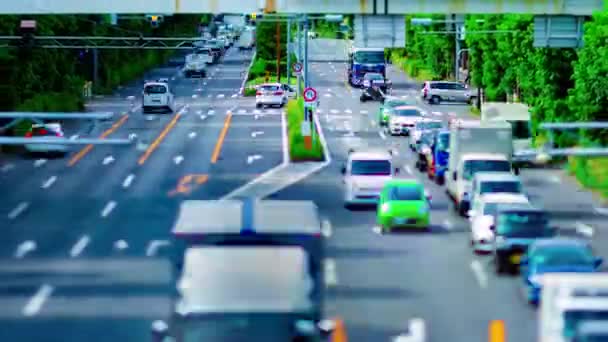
(49, 131)
(482, 214)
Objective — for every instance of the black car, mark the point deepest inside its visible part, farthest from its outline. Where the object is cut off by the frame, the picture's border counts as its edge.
(515, 227)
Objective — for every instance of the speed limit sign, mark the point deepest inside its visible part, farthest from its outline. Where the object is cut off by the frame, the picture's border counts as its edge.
(310, 94)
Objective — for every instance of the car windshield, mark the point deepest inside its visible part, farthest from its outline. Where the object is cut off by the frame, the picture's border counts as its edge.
(369, 57)
(523, 224)
(432, 125)
(572, 318)
(374, 77)
(563, 255)
(397, 103)
(500, 186)
(155, 89)
(521, 129)
(473, 166)
(406, 112)
(443, 142)
(270, 88)
(371, 167)
(490, 208)
(406, 193)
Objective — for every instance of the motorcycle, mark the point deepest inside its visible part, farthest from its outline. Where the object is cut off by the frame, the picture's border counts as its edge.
(375, 92)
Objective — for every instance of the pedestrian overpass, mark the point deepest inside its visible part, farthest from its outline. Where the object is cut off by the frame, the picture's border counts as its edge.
(380, 7)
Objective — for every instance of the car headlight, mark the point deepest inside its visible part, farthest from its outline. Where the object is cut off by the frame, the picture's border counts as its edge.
(385, 207)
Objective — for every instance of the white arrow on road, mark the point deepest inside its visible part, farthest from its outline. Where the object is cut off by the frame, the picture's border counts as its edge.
(178, 160)
(39, 162)
(256, 133)
(24, 248)
(132, 136)
(154, 246)
(121, 245)
(107, 160)
(192, 135)
(253, 158)
(416, 332)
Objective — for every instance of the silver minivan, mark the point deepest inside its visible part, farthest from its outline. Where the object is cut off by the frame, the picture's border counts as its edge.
(437, 91)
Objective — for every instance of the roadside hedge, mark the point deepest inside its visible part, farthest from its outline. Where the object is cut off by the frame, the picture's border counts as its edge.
(297, 149)
(53, 78)
(558, 84)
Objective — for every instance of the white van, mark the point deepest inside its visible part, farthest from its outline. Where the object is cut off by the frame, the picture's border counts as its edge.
(158, 97)
(247, 39)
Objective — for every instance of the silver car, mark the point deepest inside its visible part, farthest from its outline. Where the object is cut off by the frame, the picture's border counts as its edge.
(49, 131)
(271, 94)
(419, 127)
(437, 91)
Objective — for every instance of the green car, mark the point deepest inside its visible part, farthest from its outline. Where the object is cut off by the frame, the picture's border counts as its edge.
(390, 103)
(403, 204)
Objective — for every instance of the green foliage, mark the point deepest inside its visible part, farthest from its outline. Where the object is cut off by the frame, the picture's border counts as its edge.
(297, 148)
(28, 79)
(327, 30)
(429, 52)
(266, 40)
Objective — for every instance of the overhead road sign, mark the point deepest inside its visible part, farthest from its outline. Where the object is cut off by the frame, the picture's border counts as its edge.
(54, 141)
(60, 115)
(310, 94)
(558, 31)
(379, 31)
(100, 42)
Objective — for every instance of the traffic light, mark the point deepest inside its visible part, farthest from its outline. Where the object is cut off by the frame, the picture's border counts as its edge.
(154, 19)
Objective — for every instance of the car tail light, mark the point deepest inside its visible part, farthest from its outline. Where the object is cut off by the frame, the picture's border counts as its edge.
(59, 134)
(278, 93)
(258, 93)
(28, 134)
(43, 131)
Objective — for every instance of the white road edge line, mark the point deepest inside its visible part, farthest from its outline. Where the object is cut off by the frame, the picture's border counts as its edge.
(128, 181)
(326, 228)
(480, 274)
(329, 270)
(584, 229)
(20, 208)
(154, 246)
(35, 303)
(79, 246)
(24, 248)
(47, 184)
(246, 76)
(108, 208)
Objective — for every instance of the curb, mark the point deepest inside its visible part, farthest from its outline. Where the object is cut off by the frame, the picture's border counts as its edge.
(242, 90)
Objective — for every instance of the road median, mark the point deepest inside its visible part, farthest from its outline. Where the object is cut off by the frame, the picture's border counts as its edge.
(298, 150)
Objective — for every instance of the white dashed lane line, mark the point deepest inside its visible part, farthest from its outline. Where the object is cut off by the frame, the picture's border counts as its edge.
(20, 208)
(24, 248)
(49, 182)
(79, 246)
(479, 273)
(382, 135)
(127, 182)
(39, 162)
(35, 303)
(108, 208)
(331, 276)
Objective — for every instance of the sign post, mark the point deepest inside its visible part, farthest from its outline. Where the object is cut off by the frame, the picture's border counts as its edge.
(297, 69)
(310, 97)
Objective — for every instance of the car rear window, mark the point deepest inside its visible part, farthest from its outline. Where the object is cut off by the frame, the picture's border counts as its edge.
(155, 89)
(374, 76)
(407, 193)
(270, 88)
(407, 112)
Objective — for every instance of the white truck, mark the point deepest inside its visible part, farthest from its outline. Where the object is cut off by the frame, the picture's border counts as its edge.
(567, 301)
(518, 115)
(247, 38)
(476, 147)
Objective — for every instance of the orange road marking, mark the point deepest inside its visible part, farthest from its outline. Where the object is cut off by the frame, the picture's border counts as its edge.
(497, 331)
(220, 140)
(159, 139)
(88, 148)
(188, 183)
(339, 333)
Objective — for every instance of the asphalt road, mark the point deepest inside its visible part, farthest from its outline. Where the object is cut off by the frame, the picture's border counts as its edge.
(81, 233)
(383, 281)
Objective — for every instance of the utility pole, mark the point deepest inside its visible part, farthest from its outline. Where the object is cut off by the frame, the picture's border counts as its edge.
(95, 62)
(278, 42)
(299, 53)
(306, 80)
(288, 51)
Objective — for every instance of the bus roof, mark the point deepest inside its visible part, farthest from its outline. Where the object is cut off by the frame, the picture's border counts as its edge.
(237, 216)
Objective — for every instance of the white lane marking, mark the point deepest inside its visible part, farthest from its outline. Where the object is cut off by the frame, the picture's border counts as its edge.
(74, 137)
(377, 230)
(320, 110)
(108, 208)
(257, 111)
(256, 133)
(327, 95)
(437, 113)
(203, 117)
(210, 112)
(373, 123)
(24, 248)
(555, 179)
(242, 111)
(121, 245)
(601, 211)
(127, 182)
(220, 96)
(194, 96)
(416, 332)
(253, 158)
(209, 96)
(107, 160)
(256, 116)
(178, 159)
(480, 273)
(326, 228)
(132, 136)
(334, 111)
(154, 246)
(192, 135)
(39, 162)
(20, 208)
(331, 276)
(321, 74)
(35, 303)
(363, 112)
(382, 135)
(7, 167)
(447, 224)
(234, 95)
(79, 246)
(348, 111)
(408, 169)
(47, 184)
(199, 112)
(584, 229)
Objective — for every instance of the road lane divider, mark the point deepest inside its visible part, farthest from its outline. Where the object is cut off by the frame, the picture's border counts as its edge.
(127, 182)
(35, 303)
(108, 208)
(121, 245)
(49, 182)
(78, 156)
(154, 246)
(497, 331)
(20, 208)
(330, 274)
(24, 248)
(220, 140)
(159, 139)
(79, 246)
(479, 273)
